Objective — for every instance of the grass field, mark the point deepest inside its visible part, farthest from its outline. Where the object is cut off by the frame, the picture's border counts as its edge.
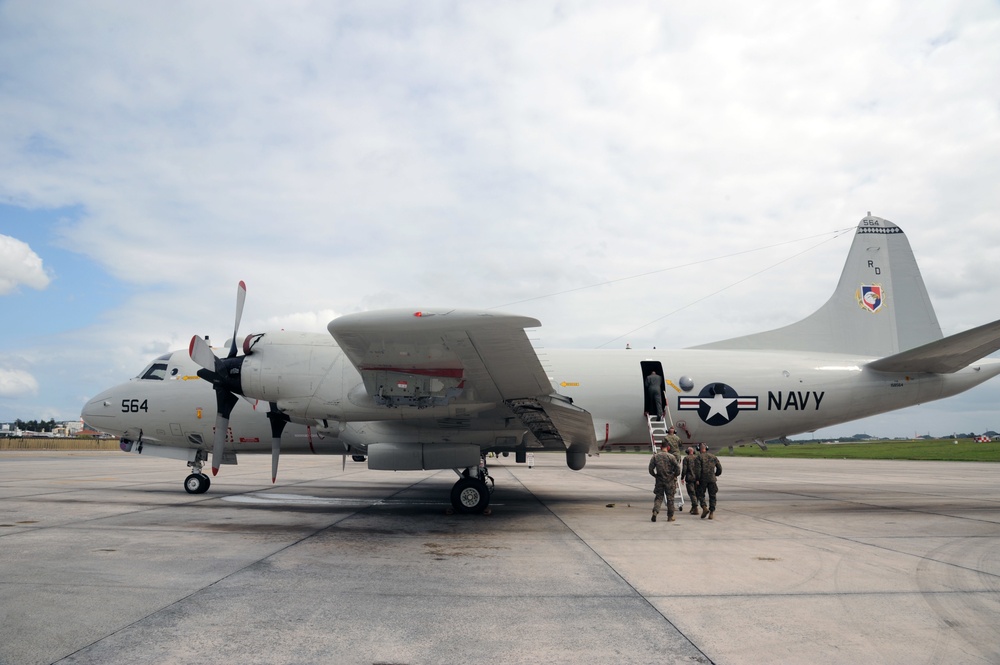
(966, 450)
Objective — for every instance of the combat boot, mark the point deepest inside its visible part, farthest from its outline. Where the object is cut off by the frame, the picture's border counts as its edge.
(694, 509)
(653, 518)
(704, 513)
(671, 518)
(711, 514)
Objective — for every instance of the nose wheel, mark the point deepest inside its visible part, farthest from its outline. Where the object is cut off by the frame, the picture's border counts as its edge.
(197, 483)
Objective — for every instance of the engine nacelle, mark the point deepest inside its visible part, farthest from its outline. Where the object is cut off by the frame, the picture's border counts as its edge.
(290, 365)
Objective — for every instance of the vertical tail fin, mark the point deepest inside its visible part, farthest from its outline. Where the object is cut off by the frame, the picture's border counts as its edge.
(880, 306)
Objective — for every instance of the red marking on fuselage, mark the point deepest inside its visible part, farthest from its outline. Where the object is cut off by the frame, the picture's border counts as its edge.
(443, 372)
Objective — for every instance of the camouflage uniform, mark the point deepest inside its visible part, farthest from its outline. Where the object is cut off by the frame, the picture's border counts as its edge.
(664, 467)
(674, 441)
(706, 467)
(687, 475)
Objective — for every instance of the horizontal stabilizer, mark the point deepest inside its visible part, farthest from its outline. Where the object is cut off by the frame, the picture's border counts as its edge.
(947, 355)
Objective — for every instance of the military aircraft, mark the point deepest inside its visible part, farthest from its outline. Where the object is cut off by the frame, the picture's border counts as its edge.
(441, 388)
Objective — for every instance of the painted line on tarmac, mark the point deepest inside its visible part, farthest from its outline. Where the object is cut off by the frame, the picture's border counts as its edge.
(302, 499)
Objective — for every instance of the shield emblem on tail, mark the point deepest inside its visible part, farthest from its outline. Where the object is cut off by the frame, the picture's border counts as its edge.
(870, 297)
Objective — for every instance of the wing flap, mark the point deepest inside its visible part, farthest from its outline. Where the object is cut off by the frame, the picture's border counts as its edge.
(557, 423)
(945, 356)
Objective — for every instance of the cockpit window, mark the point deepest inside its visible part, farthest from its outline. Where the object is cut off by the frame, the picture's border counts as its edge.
(156, 372)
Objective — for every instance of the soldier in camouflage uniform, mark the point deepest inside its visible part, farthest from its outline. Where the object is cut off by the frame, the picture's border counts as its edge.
(674, 441)
(706, 467)
(664, 467)
(687, 475)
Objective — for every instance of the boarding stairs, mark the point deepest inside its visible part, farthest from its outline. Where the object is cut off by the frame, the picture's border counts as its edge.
(657, 433)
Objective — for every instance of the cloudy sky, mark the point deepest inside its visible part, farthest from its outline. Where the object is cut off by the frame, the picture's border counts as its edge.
(662, 174)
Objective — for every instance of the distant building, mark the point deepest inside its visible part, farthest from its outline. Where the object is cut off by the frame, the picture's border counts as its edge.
(69, 428)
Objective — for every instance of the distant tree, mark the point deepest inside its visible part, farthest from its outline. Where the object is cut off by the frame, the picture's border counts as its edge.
(35, 425)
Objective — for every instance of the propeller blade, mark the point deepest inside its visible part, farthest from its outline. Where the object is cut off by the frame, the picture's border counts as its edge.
(219, 447)
(201, 353)
(225, 401)
(241, 296)
(275, 452)
(278, 420)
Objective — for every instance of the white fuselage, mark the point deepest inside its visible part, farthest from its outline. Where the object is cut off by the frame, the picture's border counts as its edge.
(763, 395)
(778, 393)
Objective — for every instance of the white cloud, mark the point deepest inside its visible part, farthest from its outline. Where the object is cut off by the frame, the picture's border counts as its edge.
(19, 265)
(16, 383)
(304, 321)
(346, 157)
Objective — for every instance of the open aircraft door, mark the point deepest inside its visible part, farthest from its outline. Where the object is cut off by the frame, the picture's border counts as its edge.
(648, 406)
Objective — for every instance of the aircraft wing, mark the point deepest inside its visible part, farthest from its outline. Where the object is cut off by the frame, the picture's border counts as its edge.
(947, 355)
(486, 354)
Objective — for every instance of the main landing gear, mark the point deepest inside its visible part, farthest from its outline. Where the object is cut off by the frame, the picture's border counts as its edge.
(197, 482)
(471, 494)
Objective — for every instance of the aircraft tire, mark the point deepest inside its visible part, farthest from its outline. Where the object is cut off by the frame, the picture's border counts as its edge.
(358, 458)
(470, 496)
(197, 483)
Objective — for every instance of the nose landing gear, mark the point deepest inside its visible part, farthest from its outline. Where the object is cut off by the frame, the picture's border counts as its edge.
(197, 482)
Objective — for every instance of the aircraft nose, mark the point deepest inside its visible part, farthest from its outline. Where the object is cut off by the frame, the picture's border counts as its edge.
(99, 413)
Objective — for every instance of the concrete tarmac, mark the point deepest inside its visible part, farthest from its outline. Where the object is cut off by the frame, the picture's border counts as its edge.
(105, 559)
